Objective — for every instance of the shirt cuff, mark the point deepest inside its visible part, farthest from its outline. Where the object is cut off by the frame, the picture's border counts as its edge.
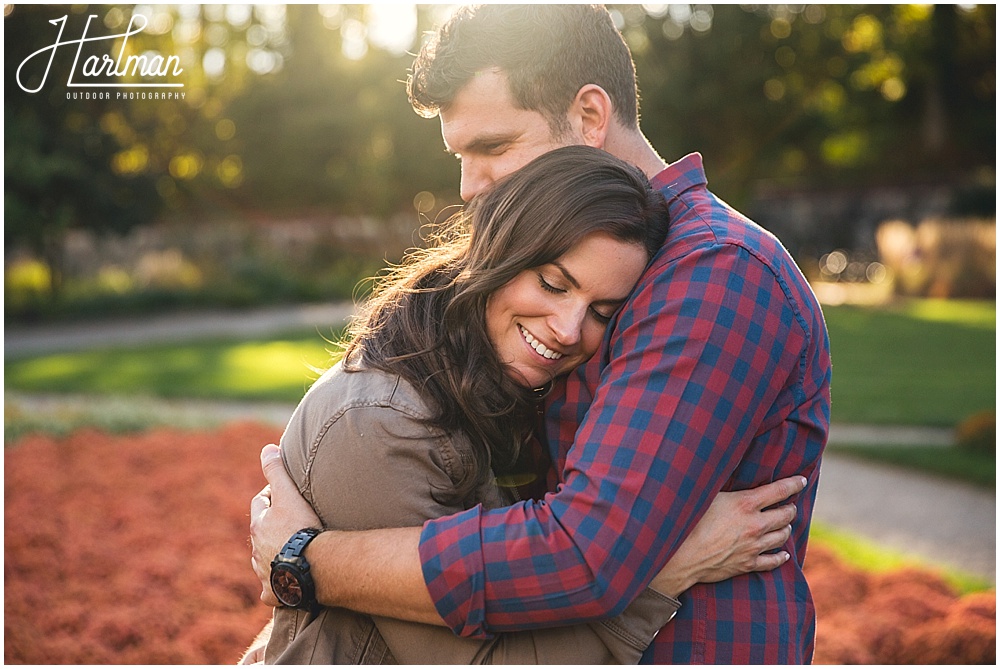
(451, 557)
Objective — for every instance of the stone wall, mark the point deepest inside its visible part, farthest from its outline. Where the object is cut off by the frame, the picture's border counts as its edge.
(813, 222)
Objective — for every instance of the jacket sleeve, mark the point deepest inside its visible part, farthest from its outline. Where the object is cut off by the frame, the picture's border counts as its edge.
(376, 466)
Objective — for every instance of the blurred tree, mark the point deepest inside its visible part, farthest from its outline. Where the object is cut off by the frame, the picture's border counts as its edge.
(334, 126)
(301, 108)
(819, 94)
(58, 155)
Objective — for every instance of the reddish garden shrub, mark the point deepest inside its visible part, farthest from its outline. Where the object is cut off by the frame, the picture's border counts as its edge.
(907, 616)
(826, 574)
(134, 550)
(131, 549)
(978, 433)
(966, 635)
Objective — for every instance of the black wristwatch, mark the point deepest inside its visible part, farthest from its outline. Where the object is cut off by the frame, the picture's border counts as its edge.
(291, 581)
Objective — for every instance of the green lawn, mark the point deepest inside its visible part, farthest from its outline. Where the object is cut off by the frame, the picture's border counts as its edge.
(928, 362)
(951, 462)
(279, 369)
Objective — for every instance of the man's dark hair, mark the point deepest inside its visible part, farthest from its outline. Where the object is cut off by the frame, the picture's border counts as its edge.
(547, 52)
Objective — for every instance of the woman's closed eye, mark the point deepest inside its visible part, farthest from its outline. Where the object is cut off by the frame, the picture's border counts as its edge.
(548, 287)
(602, 318)
(602, 315)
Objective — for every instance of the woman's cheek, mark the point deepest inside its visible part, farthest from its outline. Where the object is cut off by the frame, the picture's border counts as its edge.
(591, 339)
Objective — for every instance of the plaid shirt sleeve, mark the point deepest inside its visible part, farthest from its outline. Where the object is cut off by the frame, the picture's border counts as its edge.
(693, 369)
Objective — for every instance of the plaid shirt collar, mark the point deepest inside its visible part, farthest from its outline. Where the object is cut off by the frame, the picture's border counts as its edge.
(680, 176)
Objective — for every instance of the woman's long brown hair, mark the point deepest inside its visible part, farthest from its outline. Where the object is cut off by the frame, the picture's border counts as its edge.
(426, 318)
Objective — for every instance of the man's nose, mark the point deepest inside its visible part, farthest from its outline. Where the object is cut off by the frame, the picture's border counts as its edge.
(476, 177)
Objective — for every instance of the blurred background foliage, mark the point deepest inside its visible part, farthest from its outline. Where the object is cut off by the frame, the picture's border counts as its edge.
(294, 165)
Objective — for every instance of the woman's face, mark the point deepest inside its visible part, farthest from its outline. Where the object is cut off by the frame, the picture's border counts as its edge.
(549, 319)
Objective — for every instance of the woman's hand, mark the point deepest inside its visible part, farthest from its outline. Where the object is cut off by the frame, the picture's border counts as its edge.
(732, 537)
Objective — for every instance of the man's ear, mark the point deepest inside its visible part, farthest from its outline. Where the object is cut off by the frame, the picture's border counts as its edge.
(591, 115)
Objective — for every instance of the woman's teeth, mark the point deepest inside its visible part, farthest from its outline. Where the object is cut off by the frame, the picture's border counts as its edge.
(539, 347)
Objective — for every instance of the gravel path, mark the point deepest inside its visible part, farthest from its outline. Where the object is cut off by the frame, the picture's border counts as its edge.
(941, 521)
(30, 340)
(932, 519)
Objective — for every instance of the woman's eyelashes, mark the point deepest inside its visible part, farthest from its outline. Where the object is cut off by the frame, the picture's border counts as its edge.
(548, 287)
(601, 318)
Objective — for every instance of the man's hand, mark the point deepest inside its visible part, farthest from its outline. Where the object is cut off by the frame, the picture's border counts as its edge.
(732, 537)
(276, 513)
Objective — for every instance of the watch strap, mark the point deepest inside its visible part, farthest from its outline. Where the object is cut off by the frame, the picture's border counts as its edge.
(290, 561)
(296, 545)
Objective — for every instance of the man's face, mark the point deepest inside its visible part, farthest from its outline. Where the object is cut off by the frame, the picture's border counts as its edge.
(490, 135)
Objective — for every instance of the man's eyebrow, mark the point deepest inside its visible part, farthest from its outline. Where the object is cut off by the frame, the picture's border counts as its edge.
(481, 142)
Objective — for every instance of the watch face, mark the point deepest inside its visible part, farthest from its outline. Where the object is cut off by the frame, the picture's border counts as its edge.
(286, 586)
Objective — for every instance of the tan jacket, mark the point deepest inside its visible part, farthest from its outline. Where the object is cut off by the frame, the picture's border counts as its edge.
(358, 452)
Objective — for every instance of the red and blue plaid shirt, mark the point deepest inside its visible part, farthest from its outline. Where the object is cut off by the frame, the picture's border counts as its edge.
(714, 376)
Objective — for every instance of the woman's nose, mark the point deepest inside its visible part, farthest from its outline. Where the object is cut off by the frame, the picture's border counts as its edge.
(567, 326)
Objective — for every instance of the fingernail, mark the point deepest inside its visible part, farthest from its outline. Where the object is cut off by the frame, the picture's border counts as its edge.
(805, 481)
(787, 556)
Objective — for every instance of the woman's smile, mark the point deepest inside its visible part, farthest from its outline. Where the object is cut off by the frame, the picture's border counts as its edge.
(549, 319)
(537, 346)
